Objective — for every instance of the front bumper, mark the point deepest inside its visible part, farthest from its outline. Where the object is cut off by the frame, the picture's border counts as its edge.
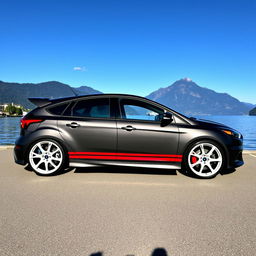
(235, 153)
(235, 157)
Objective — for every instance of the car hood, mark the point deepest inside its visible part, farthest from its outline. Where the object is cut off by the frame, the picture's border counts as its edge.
(210, 124)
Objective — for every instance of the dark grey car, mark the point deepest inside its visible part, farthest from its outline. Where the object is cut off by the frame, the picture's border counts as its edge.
(122, 130)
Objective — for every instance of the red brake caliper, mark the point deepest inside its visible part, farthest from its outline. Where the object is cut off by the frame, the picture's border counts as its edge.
(193, 159)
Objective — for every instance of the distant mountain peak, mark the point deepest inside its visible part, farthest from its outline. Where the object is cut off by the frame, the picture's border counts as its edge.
(184, 81)
(84, 90)
(189, 98)
(187, 79)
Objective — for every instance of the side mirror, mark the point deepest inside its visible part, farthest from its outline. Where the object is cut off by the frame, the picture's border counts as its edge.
(166, 119)
(167, 116)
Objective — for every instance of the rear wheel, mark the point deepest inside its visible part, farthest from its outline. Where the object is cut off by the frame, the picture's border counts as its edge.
(204, 159)
(46, 157)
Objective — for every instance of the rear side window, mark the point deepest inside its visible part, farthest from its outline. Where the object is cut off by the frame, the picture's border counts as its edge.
(58, 109)
(98, 108)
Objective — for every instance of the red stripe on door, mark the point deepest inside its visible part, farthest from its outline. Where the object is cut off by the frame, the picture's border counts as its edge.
(125, 156)
(134, 158)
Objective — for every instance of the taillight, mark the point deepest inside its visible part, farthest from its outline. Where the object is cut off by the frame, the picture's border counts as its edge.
(24, 123)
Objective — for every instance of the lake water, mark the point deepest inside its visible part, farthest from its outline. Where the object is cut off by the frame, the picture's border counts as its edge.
(10, 128)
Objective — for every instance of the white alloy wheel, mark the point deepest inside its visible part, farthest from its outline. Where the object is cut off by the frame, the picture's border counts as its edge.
(205, 160)
(46, 157)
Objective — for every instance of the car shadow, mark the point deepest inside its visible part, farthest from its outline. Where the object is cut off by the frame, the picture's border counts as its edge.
(66, 170)
(113, 169)
(190, 175)
(28, 168)
(130, 170)
(155, 252)
(126, 170)
(228, 171)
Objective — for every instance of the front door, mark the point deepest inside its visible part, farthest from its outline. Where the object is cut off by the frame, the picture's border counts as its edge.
(141, 135)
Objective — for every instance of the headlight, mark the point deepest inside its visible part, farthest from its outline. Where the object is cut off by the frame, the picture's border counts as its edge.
(233, 133)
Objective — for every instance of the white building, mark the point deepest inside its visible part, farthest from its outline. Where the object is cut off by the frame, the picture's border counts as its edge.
(3, 106)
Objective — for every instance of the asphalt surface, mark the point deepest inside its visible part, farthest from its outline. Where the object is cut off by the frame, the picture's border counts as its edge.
(122, 212)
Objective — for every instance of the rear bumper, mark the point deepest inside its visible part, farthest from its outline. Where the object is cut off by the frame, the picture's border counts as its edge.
(18, 154)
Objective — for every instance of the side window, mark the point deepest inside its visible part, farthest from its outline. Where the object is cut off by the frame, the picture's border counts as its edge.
(132, 109)
(98, 108)
(58, 109)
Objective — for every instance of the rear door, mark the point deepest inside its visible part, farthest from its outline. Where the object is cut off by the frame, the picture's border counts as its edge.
(88, 129)
(141, 135)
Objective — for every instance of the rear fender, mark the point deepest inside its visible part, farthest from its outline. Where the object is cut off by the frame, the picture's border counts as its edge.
(42, 134)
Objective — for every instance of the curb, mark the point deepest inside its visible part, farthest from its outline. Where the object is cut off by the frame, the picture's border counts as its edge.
(249, 152)
(6, 147)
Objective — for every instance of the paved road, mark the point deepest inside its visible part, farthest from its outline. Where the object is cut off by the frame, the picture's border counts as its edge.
(122, 212)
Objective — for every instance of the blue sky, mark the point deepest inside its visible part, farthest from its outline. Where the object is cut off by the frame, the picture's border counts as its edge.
(131, 46)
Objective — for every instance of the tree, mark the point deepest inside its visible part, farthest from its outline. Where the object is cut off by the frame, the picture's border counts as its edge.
(19, 111)
(253, 112)
(10, 109)
(13, 110)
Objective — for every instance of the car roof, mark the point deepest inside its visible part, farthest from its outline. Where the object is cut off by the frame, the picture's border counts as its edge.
(41, 102)
(107, 95)
(98, 95)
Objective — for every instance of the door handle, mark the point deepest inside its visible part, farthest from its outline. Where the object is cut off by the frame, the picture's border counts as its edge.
(73, 125)
(128, 128)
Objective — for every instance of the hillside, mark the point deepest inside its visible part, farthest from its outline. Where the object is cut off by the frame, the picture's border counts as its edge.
(252, 112)
(187, 97)
(18, 93)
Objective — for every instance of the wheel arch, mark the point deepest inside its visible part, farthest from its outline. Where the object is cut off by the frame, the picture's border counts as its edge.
(210, 139)
(44, 137)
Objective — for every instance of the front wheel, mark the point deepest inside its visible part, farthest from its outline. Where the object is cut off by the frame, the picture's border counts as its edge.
(46, 157)
(204, 159)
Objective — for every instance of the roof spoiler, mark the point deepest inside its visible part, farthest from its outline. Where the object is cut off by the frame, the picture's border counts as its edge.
(39, 102)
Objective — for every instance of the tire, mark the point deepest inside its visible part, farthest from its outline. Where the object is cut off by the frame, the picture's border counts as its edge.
(204, 159)
(46, 157)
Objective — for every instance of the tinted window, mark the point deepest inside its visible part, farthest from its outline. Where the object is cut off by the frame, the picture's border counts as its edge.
(68, 110)
(58, 110)
(132, 109)
(98, 108)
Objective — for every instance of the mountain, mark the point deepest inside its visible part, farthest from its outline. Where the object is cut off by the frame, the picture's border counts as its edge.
(85, 90)
(252, 112)
(184, 96)
(187, 97)
(18, 93)
(250, 105)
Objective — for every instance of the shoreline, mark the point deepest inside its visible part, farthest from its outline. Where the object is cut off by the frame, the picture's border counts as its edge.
(9, 116)
(4, 147)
